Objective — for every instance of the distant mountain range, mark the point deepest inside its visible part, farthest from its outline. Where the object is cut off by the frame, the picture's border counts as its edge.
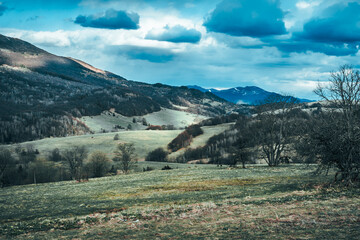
(250, 95)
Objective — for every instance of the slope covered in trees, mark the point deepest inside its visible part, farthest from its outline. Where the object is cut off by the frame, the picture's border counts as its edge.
(41, 94)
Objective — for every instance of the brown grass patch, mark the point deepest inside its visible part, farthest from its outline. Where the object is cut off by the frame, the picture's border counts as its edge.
(190, 186)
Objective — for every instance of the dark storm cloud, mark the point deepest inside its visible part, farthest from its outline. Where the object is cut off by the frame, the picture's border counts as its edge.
(151, 54)
(335, 32)
(112, 19)
(3, 8)
(338, 49)
(256, 18)
(339, 23)
(176, 34)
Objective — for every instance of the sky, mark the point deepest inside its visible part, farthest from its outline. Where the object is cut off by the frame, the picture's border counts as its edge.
(285, 46)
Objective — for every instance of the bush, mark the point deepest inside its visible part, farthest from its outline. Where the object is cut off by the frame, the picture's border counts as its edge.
(55, 155)
(167, 167)
(98, 164)
(116, 137)
(158, 155)
(147, 169)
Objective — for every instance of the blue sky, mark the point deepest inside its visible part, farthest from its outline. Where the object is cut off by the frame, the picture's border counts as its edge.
(286, 46)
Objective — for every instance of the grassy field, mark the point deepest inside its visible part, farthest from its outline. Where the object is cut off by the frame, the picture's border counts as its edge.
(187, 202)
(107, 121)
(144, 141)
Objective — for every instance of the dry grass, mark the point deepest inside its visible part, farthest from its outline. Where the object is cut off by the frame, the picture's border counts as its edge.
(201, 202)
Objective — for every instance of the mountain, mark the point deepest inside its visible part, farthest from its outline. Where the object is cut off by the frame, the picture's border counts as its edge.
(44, 95)
(251, 95)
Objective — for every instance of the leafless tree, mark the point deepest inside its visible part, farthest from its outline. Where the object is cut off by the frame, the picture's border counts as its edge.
(126, 157)
(5, 161)
(272, 126)
(98, 164)
(75, 158)
(337, 136)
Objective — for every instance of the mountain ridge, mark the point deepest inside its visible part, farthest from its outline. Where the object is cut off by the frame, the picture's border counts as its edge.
(44, 95)
(250, 95)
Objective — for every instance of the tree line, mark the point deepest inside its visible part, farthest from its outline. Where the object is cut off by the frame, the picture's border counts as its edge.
(25, 165)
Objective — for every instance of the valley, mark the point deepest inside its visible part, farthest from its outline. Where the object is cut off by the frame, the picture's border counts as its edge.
(88, 154)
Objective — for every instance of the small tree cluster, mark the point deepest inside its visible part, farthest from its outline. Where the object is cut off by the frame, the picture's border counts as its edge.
(184, 139)
(157, 155)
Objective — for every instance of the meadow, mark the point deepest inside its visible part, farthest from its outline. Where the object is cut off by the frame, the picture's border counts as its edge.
(186, 202)
(106, 121)
(144, 141)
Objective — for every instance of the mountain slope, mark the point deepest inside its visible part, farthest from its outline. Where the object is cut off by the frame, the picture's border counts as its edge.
(44, 95)
(251, 95)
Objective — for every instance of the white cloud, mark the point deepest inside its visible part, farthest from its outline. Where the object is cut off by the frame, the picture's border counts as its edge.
(58, 38)
(303, 5)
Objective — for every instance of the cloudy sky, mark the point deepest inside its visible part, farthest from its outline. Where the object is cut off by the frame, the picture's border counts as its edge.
(285, 46)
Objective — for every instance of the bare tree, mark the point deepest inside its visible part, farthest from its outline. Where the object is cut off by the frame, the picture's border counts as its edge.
(272, 127)
(241, 148)
(337, 132)
(125, 156)
(5, 161)
(55, 155)
(98, 164)
(75, 158)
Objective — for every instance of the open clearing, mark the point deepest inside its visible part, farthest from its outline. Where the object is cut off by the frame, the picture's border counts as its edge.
(108, 120)
(144, 141)
(188, 202)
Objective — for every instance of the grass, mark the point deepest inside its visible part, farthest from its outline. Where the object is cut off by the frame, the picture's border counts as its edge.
(107, 121)
(187, 202)
(144, 141)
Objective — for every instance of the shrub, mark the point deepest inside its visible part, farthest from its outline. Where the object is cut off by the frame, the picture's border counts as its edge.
(158, 155)
(98, 164)
(116, 137)
(167, 167)
(147, 169)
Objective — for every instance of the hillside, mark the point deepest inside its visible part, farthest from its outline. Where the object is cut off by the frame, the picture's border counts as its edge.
(242, 95)
(144, 141)
(108, 121)
(43, 95)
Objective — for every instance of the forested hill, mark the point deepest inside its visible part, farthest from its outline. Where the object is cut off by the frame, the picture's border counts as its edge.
(41, 94)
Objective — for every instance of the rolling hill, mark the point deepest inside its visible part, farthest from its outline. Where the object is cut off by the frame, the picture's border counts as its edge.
(44, 95)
